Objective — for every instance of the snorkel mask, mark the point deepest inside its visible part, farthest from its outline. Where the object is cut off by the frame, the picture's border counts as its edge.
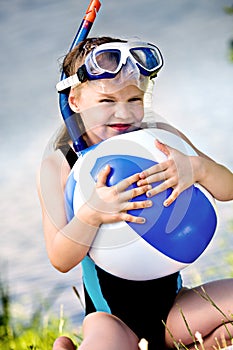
(117, 63)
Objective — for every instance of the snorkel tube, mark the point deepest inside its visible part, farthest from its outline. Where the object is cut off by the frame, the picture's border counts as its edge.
(67, 113)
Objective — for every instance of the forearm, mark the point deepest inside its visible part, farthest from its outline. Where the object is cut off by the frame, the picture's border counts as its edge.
(71, 243)
(216, 178)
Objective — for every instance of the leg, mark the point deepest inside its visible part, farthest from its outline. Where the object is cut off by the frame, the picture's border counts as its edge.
(63, 343)
(103, 331)
(201, 315)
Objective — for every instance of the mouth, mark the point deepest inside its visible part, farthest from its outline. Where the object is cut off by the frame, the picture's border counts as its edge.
(120, 127)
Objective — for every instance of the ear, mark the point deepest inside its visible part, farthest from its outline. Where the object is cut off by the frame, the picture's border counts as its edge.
(73, 102)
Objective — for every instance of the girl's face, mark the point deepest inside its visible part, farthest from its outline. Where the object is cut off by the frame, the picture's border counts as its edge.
(108, 114)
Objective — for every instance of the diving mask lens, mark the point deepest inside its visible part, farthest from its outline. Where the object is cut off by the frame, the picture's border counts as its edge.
(108, 61)
(147, 58)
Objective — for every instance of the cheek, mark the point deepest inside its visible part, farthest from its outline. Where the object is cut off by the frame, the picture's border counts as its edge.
(93, 119)
(138, 113)
(96, 115)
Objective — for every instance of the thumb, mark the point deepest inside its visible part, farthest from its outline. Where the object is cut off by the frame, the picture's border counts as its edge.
(102, 176)
(162, 147)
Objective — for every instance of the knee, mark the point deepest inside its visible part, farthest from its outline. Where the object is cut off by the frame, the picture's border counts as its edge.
(99, 317)
(110, 330)
(96, 330)
(63, 343)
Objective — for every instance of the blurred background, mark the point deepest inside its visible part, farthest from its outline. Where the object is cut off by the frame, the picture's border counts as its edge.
(193, 92)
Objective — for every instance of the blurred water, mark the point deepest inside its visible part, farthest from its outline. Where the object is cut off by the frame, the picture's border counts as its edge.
(194, 92)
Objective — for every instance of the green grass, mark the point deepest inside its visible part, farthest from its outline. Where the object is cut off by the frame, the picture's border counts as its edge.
(36, 333)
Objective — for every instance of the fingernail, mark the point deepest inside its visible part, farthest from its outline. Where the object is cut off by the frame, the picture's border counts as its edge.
(148, 194)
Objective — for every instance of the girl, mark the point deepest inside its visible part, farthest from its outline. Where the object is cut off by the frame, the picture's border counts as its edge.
(107, 95)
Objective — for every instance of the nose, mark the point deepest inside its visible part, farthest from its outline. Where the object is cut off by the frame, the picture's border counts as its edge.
(122, 110)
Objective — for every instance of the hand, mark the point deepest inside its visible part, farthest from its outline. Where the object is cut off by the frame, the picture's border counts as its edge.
(176, 173)
(110, 204)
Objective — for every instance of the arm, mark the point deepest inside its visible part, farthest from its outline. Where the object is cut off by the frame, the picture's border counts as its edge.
(64, 253)
(215, 177)
(180, 172)
(68, 243)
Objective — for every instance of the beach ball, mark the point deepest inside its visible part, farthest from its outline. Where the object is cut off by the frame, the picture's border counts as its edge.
(172, 237)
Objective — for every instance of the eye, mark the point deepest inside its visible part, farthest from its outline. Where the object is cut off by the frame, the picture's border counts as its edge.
(136, 99)
(106, 100)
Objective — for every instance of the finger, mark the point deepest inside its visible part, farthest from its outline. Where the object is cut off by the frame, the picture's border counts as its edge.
(138, 205)
(171, 198)
(155, 169)
(124, 216)
(160, 188)
(131, 218)
(153, 178)
(135, 192)
(102, 176)
(124, 184)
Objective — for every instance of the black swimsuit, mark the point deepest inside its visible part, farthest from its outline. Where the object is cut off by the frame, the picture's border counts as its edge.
(142, 305)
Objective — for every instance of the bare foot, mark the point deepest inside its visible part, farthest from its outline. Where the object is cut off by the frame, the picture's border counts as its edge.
(63, 343)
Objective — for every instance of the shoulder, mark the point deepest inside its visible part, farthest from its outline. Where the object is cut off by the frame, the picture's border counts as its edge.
(55, 160)
(54, 167)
